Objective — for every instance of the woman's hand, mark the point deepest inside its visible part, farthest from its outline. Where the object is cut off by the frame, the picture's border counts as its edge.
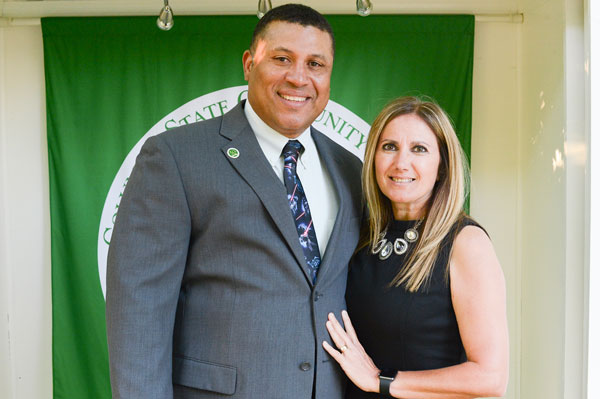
(351, 356)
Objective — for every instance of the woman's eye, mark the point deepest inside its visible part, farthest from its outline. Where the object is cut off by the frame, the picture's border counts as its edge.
(419, 148)
(388, 147)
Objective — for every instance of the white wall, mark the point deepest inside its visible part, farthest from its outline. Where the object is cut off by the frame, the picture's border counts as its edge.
(521, 82)
(576, 226)
(593, 97)
(25, 368)
(494, 161)
(551, 199)
(6, 377)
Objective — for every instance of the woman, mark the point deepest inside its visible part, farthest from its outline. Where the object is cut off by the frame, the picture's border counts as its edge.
(425, 291)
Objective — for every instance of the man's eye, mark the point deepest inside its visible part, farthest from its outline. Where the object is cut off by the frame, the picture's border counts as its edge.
(281, 59)
(315, 64)
(419, 148)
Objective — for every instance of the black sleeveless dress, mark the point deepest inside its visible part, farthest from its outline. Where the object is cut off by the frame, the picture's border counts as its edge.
(398, 329)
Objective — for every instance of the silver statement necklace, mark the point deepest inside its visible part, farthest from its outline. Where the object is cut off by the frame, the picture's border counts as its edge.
(385, 248)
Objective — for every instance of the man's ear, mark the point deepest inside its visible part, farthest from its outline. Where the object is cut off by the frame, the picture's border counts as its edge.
(247, 63)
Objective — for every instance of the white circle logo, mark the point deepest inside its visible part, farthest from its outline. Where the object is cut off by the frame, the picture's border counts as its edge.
(338, 123)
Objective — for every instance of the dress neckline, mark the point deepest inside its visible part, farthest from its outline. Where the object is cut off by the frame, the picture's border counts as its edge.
(401, 225)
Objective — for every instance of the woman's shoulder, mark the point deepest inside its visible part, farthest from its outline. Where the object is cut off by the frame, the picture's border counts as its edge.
(472, 246)
(464, 221)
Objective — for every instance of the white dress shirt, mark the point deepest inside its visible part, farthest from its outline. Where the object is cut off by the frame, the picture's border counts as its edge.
(321, 196)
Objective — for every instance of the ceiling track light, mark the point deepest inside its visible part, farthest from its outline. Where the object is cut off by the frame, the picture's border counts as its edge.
(263, 7)
(165, 18)
(364, 7)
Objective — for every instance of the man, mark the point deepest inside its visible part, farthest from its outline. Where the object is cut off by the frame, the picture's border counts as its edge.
(220, 274)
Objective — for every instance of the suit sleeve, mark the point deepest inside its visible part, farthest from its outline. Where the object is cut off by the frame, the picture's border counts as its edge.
(146, 262)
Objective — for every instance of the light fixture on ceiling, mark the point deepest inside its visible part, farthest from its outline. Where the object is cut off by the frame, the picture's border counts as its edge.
(263, 7)
(363, 7)
(165, 18)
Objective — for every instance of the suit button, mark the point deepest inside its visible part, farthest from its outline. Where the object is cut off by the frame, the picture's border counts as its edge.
(305, 366)
(317, 296)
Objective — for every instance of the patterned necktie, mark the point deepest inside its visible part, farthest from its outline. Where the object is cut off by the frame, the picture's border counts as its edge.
(299, 208)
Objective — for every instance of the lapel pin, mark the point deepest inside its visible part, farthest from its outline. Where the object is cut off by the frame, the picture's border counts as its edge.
(233, 153)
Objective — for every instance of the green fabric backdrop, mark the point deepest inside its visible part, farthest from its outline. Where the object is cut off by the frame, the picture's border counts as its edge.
(109, 80)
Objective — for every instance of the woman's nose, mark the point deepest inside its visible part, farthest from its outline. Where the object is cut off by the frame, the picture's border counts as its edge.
(402, 160)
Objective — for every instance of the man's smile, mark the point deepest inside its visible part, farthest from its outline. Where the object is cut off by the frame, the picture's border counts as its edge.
(293, 98)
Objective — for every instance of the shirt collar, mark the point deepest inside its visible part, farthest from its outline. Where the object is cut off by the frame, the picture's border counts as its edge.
(272, 142)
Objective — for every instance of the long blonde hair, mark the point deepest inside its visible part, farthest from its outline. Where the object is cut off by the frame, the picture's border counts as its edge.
(446, 202)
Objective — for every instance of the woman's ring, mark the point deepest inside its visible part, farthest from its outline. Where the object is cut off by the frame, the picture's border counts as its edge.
(343, 348)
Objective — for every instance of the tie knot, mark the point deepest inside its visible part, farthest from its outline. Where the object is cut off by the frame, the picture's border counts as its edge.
(291, 151)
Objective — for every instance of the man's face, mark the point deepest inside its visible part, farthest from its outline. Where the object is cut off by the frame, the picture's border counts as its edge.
(288, 76)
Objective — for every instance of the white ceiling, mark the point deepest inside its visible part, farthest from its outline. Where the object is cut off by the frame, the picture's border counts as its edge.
(43, 8)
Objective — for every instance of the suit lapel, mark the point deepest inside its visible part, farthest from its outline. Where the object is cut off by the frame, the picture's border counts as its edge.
(253, 167)
(333, 165)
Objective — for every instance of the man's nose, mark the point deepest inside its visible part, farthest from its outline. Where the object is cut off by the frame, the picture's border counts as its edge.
(297, 74)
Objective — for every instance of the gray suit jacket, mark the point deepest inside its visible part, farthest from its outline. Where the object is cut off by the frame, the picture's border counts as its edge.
(208, 294)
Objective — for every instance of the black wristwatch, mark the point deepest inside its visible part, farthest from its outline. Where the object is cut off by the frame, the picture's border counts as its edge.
(386, 376)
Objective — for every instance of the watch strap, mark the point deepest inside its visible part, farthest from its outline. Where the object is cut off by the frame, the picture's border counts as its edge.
(385, 380)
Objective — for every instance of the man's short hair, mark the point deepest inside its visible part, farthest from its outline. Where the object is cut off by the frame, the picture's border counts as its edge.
(292, 13)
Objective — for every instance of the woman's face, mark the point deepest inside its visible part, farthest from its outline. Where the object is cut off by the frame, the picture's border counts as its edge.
(406, 165)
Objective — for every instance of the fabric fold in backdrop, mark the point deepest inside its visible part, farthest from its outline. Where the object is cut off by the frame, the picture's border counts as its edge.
(112, 82)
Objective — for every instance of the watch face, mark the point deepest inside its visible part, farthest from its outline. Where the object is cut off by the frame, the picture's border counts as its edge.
(388, 374)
